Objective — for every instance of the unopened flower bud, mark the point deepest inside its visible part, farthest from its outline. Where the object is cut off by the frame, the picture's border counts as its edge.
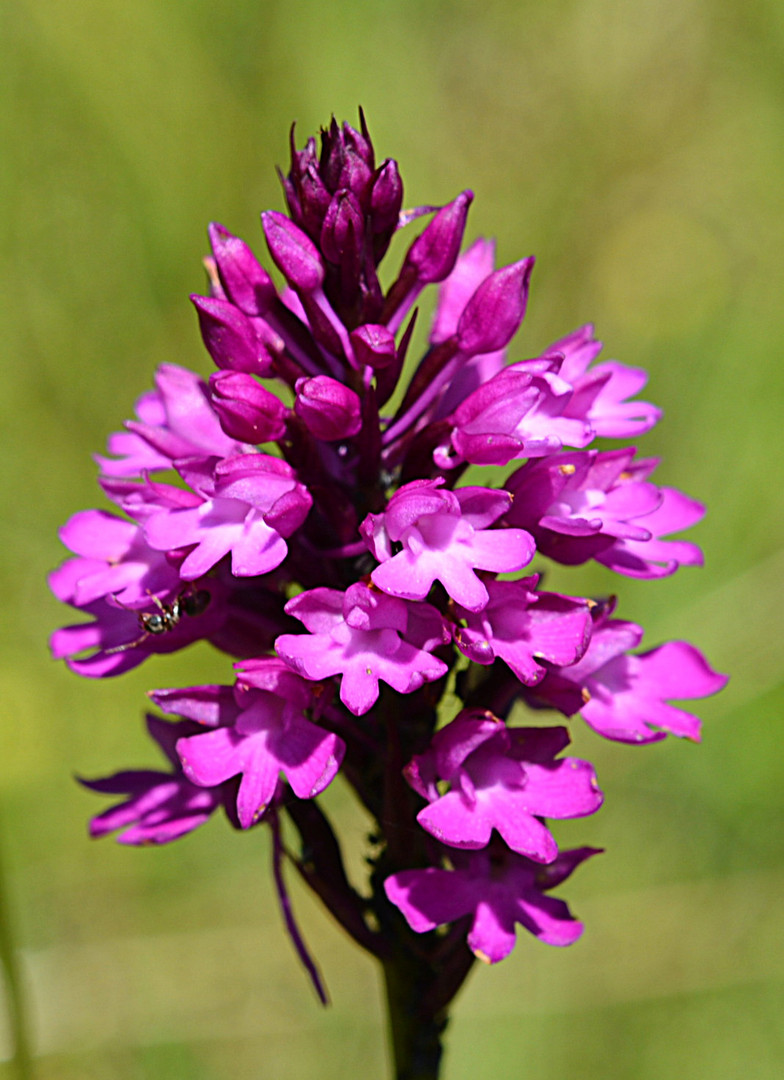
(329, 410)
(306, 195)
(493, 314)
(386, 198)
(293, 252)
(245, 409)
(343, 231)
(373, 345)
(230, 337)
(434, 252)
(347, 159)
(246, 283)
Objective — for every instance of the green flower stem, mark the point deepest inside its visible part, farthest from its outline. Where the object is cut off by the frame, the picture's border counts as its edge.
(415, 1030)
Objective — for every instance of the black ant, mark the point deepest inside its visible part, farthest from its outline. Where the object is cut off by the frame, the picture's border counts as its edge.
(165, 618)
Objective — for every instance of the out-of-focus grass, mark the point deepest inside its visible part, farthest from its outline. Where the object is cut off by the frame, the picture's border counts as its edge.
(638, 151)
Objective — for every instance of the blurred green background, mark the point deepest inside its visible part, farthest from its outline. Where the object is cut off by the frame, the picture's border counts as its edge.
(637, 149)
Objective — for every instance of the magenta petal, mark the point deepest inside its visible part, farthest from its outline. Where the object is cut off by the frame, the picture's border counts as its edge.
(359, 690)
(407, 575)
(677, 669)
(258, 784)
(312, 758)
(99, 535)
(492, 936)
(628, 694)
(451, 820)
(321, 610)
(452, 745)
(208, 705)
(211, 758)
(310, 655)
(216, 756)
(502, 550)
(549, 919)
(562, 789)
(430, 897)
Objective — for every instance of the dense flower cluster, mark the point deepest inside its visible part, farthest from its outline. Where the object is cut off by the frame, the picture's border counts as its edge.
(358, 581)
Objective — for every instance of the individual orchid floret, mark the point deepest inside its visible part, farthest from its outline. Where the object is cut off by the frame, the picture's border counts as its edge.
(524, 628)
(268, 735)
(161, 806)
(519, 413)
(500, 778)
(176, 420)
(364, 636)
(113, 559)
(626, 696)
(246, 410)
(249, 504)
(600, 395)
(601, 505)
(434, 252)
(238, 616)
(121, 637)
(444, 536)
(137, 597)
(499, 889)
(329, 409)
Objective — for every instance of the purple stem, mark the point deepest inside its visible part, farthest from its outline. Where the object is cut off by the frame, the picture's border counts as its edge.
(288, 915)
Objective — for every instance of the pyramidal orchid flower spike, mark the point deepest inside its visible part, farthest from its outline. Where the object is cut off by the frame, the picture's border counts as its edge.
(325, 540)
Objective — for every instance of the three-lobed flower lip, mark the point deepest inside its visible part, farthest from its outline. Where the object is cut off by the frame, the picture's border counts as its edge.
(602, 505)
(444, 536)
(365, 637)
(500, 778)
(499, 891)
